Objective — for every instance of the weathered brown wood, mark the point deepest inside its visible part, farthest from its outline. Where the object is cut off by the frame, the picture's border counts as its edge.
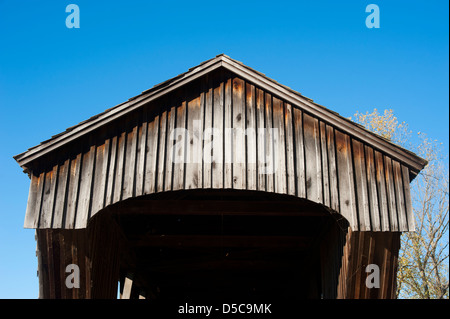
(250, 137)
(193, 144)
(217, 165)
(32, 212)
(200, 128)
(208, 139)
(344, 276)
(75, 168)
(361, 186)
(151, 155)
(161, 153)
(129, 179)
(400, 199)
(120, 162)
(260, 135)
(279, 147)
(269, 156)
(83, 201)
(101, 168)
(94, 251)
(260, 141)
(238, 138)
(111, 172)
(290, 151)
(299, 153)
(332, 169)
(372, 189)
(228, 135)
(48, 198)
(408, 201)
(179, 148)
(324, 162)
(312, 159)
(141, 153)
(345, 177)
(170, 149)
(101, 255)
(63, 174)
(390, 192)
(381, 187)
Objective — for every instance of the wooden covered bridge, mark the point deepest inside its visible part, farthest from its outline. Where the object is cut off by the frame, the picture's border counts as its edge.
(218, 182)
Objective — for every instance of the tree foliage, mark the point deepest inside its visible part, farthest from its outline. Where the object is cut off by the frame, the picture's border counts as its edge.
(424, 256)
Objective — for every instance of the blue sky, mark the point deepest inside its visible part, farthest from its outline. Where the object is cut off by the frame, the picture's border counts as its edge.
(52, 77)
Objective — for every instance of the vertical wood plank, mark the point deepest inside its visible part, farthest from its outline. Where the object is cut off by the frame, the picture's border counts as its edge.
(161, 160)
(408, 201)
(269, 161)
(217, 165)
(261, 137)
(194, 143)
(50, 264)
(313, 160)
(72, 195)
(179, 147)
(361, 262)
(48, 198)
(361, 186)
(63, 175)
(279, 147)
(250, 135)
(372, 188)
(325, 173)
(400, 199)
(151, 155)
(299, 153)
(129, 182)
(170, 149)
(100, 175)
(290, 169)
(390, 191)
(120, 163)
(111, 172)
(332, 167)
(345, 176)
(142, 145)
(208, 139)
(32, 212)
(84, 198)
(228, 137)
(199, 135)
(381, 187)
(239, 170)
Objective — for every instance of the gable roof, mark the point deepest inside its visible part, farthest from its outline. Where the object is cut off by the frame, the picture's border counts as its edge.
(223, 61)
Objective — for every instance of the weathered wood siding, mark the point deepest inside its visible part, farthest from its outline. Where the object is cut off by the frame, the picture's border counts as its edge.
(220, 132)
(345, 256)
(94, 250)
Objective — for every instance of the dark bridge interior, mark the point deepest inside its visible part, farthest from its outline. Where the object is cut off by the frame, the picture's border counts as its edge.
(215, 246)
